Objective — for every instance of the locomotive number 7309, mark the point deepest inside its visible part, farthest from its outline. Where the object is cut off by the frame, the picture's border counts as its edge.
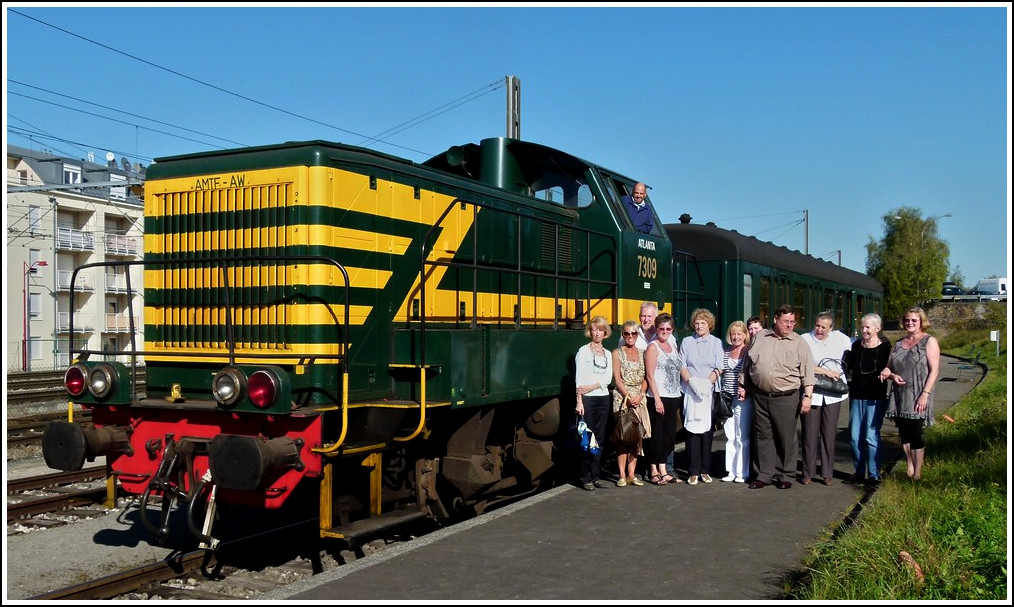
(647, 267)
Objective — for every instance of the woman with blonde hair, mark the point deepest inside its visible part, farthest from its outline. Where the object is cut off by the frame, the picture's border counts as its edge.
(913, 367)
(737, 427)
(631, 386)
(593, 373)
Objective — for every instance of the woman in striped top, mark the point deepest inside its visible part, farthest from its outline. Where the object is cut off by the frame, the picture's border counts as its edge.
(737, 427)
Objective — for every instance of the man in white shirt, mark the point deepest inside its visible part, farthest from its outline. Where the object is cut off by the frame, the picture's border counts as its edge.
(645, 332)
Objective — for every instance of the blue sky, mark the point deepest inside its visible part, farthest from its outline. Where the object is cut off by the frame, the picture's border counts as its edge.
(745, 116)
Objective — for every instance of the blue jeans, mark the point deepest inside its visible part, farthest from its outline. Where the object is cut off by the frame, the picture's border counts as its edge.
(865, 419)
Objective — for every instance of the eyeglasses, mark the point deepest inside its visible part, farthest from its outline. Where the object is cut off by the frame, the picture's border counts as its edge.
(909, 321)
(630, 333)
(664, 329)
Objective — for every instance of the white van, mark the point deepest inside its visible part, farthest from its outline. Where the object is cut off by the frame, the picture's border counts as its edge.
(991, 288)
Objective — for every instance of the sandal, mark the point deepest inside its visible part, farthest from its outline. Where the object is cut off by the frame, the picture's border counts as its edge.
(668, 478)
(658, 479)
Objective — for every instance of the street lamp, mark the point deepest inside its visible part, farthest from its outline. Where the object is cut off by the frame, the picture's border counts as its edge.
(26, 358)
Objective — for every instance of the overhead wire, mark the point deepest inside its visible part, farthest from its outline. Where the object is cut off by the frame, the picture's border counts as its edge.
(105, 107)
(208, 84)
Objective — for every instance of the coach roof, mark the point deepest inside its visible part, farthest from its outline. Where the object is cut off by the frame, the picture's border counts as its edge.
(712, 243)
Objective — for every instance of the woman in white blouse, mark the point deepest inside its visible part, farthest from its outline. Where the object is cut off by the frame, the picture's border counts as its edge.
(593, 374)
(820, 423)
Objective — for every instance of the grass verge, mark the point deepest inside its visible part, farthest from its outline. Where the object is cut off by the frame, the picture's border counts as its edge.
(941, 538)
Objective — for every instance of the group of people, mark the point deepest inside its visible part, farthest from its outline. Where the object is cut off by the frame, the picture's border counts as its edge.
(768, 379)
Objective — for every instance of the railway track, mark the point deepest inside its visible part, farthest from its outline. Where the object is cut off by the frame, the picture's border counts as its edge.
(226, 574)
(30, 499)
(45, 386)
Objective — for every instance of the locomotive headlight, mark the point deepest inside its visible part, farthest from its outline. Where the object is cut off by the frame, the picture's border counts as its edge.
(102, 381)
(263, 388)
(228, 386)
(75, 379)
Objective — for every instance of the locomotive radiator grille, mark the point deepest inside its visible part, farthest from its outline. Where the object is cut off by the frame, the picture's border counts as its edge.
(187, 301)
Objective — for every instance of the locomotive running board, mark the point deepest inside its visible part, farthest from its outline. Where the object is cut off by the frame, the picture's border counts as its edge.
(354, 531)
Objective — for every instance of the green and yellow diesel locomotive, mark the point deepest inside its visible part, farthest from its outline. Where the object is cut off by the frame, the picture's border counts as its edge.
(398, 335)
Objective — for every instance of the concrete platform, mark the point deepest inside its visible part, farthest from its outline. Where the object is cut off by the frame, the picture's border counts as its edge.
(718, 541)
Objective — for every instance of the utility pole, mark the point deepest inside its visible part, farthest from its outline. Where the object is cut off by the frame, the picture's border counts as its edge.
(806, 231)
(513, 107)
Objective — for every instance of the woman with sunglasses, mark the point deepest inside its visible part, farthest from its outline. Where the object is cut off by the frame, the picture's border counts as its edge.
(913, 368)
(631, 385)
(593, 374)
(662, 364)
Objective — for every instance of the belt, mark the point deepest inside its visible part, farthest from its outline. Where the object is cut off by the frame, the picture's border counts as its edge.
(776, 394)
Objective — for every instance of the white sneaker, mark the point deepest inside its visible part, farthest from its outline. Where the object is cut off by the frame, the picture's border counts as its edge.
(739, 479)
(728, 479)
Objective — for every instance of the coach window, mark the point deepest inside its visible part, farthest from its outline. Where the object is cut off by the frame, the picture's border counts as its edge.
(764, 300)
(747, 295)
(799, 304)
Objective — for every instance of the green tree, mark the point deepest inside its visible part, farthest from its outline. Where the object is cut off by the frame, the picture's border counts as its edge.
(958, 278)
(910, 261)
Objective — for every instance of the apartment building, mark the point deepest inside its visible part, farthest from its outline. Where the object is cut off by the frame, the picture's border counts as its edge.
(64, 213)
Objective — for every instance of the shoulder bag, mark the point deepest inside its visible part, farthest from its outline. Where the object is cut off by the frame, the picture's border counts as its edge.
(832, 387)
(627, 431)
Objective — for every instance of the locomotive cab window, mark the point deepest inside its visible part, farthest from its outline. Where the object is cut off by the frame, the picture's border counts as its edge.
(574, 195)
(617, 189)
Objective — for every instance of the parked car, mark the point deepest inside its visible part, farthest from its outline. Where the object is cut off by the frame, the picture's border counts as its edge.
(950, 290)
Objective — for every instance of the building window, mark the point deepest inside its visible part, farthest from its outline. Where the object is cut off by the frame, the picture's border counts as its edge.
(34, 304)
(118, 192)
(33, 220)
(34, 255)
(71, 174)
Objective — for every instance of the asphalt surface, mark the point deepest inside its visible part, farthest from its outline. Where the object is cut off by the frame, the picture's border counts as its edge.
(717, 541)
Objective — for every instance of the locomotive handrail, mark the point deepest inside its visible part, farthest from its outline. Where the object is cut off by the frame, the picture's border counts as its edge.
(691, 261)
(520, 272)
(221, 262)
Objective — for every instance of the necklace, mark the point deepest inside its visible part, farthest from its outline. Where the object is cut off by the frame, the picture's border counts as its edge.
(862, 362)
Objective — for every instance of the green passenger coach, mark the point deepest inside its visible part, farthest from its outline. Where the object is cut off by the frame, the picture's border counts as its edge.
(739, 276)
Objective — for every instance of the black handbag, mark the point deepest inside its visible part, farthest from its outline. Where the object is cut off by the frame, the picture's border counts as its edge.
(721, 407)
(832, 387)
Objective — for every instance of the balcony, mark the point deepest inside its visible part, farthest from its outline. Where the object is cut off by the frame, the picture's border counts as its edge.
(117, 283)
(83, 282)
(122, 245)
(119, 323)
(83, 323)
(69, 239)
